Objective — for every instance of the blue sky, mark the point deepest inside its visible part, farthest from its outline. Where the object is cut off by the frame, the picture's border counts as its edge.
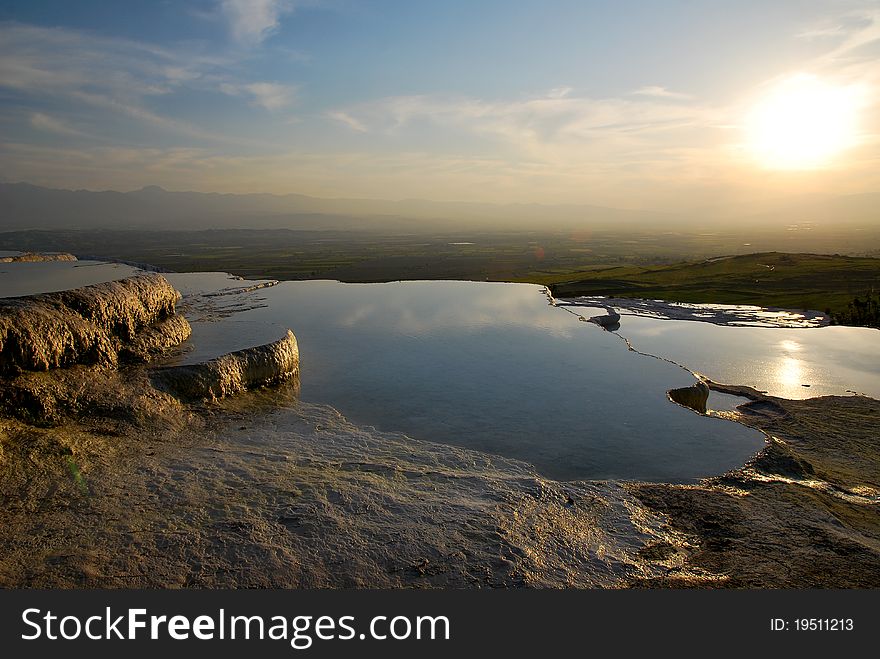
(636, 104)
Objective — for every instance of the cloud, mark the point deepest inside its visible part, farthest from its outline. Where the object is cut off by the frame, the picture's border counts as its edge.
(846, 59)
(551, 127)
(527, 145)
(49, 124)
(852, 44)
(53, 60)
(826, 32)
(56, 61)
(651, 133)
(120, 77)
(839, 26)
(146, 116)
(253, 21)
(668, 179)
(661, 92)
(348, 120)
(270, 96)
(560, 92)
(101, 167)
(612, 151)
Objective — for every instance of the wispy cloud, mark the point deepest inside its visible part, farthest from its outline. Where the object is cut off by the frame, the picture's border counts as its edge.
(651, 132)
(49, 124)
(853, 40)
(661, 92)
(544, 126)
(560, 92)
(845, 59)
(270, 96)
(839, 26)
(253, 21)
(142, 113)
(119, 76)
(348, 120)
(146, 116)
(56, 60)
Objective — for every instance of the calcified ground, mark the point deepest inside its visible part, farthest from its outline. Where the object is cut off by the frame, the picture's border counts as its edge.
(133, 318)
(804, 513)
(127, 485)
(36, 257)
(262, 491)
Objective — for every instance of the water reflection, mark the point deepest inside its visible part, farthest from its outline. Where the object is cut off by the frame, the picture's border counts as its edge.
(31, 278)
(720, 314)
(790, 373)
(831, 360)
(492, 367)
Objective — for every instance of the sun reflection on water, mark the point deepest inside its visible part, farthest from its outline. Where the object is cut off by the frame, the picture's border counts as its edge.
(790, 372)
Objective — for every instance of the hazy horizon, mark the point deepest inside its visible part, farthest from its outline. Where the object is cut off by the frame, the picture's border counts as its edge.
(27, 206)
(669, 107)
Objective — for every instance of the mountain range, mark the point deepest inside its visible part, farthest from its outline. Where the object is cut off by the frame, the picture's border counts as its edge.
(26, 206)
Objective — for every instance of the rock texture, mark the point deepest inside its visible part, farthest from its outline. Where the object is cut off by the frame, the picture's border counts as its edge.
(126, 485)
(262, 491)
(133, 318)
(694, 397)
(804, 513)
(233, 372)
(31, 257)
(53, 398)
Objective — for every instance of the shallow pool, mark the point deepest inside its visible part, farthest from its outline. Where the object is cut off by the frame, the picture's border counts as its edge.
(790, 363)
(30, 278)
(496, 368)
(489, 366)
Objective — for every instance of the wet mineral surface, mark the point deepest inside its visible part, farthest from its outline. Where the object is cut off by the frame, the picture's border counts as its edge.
(126, 484)
(263, 491)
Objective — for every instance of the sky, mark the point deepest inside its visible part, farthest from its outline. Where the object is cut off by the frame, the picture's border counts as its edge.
(629, 104)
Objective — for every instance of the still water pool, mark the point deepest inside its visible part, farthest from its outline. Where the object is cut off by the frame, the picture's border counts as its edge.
(496, 368)
(489, 366)
(785, 362)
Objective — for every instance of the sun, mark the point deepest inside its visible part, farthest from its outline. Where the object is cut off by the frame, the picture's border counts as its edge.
(802, 123)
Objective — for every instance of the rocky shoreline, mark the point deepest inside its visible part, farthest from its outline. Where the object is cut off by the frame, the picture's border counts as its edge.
(233, 372)
(108, 325)
(804, 513)
(131, 318)
(123, 474)
(718, 314)
(37, 257)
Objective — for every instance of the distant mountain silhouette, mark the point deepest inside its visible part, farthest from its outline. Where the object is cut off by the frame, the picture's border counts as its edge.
(26, 206)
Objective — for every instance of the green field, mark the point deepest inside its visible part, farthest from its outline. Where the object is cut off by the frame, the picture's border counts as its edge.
(363, 256)
(771, 279)
(682, 267)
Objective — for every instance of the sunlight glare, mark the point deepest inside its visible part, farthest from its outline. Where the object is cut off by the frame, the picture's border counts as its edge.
(790, 372)
(802, 123)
